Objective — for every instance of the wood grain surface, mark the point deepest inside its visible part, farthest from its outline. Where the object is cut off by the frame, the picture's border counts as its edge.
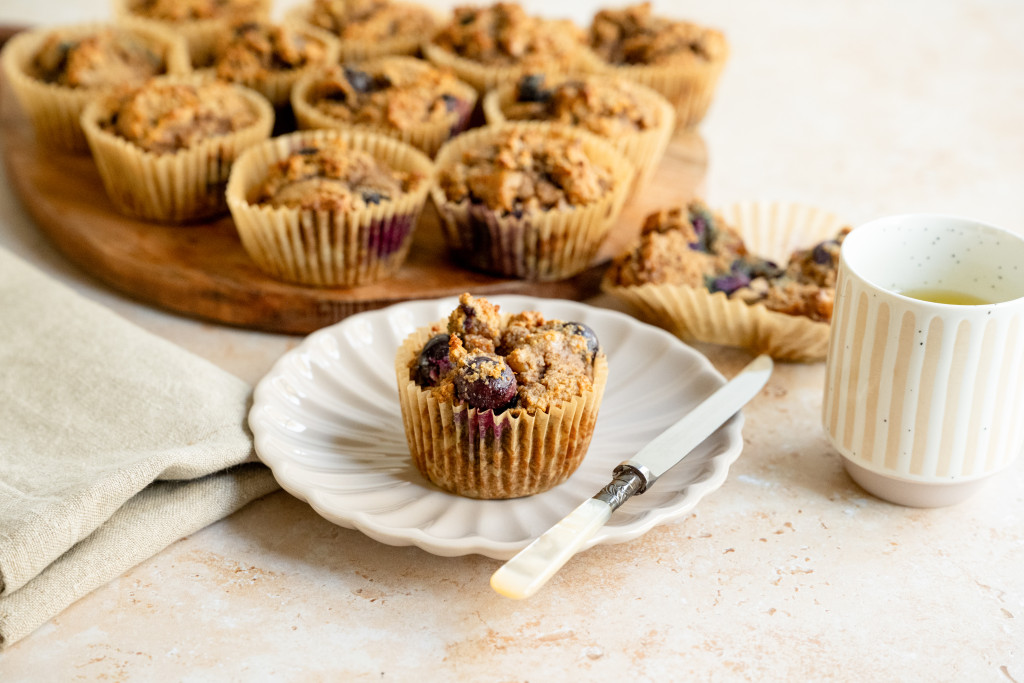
(201, 270)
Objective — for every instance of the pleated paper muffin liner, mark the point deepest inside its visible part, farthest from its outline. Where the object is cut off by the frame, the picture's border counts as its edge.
(54, 109)
(479, 454)
(428, 136)
(276, 85)
(328, 248)
(486, 77)
(200, 35)
(644, 148)
(539, 245)
(769, 229)
(689, 86)
(175, 187)
(362, 50)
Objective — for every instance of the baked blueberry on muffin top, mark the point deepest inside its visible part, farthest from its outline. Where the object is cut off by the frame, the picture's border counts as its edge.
(694, 247)
(521, 362)
(331, 176)
(106, 57)
(605, 106)
(527, 170)
(397, 92)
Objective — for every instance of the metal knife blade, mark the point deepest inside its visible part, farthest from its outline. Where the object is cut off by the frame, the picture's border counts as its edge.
(525, 573)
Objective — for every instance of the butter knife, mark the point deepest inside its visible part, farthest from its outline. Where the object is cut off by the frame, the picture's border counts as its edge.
(525, 573)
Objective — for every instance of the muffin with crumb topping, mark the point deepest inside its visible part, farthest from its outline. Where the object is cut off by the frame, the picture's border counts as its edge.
(201, 23)
(499, 405)
(56, 71)
(371, 28)
(527, 199)
(637, 121)
(270, 57)
(329, 208)
(680, 59)
(496, 44)
(403, 97)
(695, 272)
(164, 149)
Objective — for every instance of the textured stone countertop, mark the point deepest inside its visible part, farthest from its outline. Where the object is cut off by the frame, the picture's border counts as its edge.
(789, 571)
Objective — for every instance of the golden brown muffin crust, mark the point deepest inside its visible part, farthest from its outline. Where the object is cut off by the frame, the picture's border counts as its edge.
(188, 10)
(696, 248)
(398, 92)
(605, 106)
(551, 359)
(527, 170)
(107, 57)
(634, 35)
(329, 176)
(166, 117)
(251, 50)
(503, 34)
(371, 20)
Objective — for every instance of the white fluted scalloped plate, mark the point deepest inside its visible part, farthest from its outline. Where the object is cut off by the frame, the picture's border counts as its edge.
(326, 421)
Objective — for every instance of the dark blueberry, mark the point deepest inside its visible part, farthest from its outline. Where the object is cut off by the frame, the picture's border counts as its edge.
(727, 283)
(467, 18)
(433, 361)
(822, 253)
(359, 80)
(476, 385)
(373, 197)
(739, 276)
(451, 102)
(307, 151)
(704, 225)
(531, 89)
(593, 345)
(753, 268)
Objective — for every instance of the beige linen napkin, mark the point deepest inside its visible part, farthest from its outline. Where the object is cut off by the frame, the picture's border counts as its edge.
(114, 443)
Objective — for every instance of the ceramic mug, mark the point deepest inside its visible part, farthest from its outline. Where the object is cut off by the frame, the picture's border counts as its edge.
(924, 399)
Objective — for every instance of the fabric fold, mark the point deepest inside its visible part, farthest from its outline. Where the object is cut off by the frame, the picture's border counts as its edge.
(114, 443)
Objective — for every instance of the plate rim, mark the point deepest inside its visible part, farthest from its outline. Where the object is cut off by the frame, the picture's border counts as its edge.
(476, 543)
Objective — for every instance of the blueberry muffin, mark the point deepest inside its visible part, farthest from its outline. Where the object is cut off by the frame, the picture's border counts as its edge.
(529, 200)
(637, 121)
(488, 46)
(403, 97)
(497, 405)
(55, 72)
(270, 58)
(371, 28)
(692, 270)
(329, 208)
(164, 149)
(201, 23)
(680, 59)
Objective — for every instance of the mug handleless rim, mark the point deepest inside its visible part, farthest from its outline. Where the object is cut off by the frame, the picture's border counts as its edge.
(871, 229)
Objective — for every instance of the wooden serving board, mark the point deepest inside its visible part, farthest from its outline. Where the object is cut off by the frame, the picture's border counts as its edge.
(202, 270)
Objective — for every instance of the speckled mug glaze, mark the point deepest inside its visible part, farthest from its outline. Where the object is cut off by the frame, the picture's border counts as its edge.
(925, 401)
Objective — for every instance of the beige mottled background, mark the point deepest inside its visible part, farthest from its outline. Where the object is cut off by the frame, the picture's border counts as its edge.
(788, 572)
